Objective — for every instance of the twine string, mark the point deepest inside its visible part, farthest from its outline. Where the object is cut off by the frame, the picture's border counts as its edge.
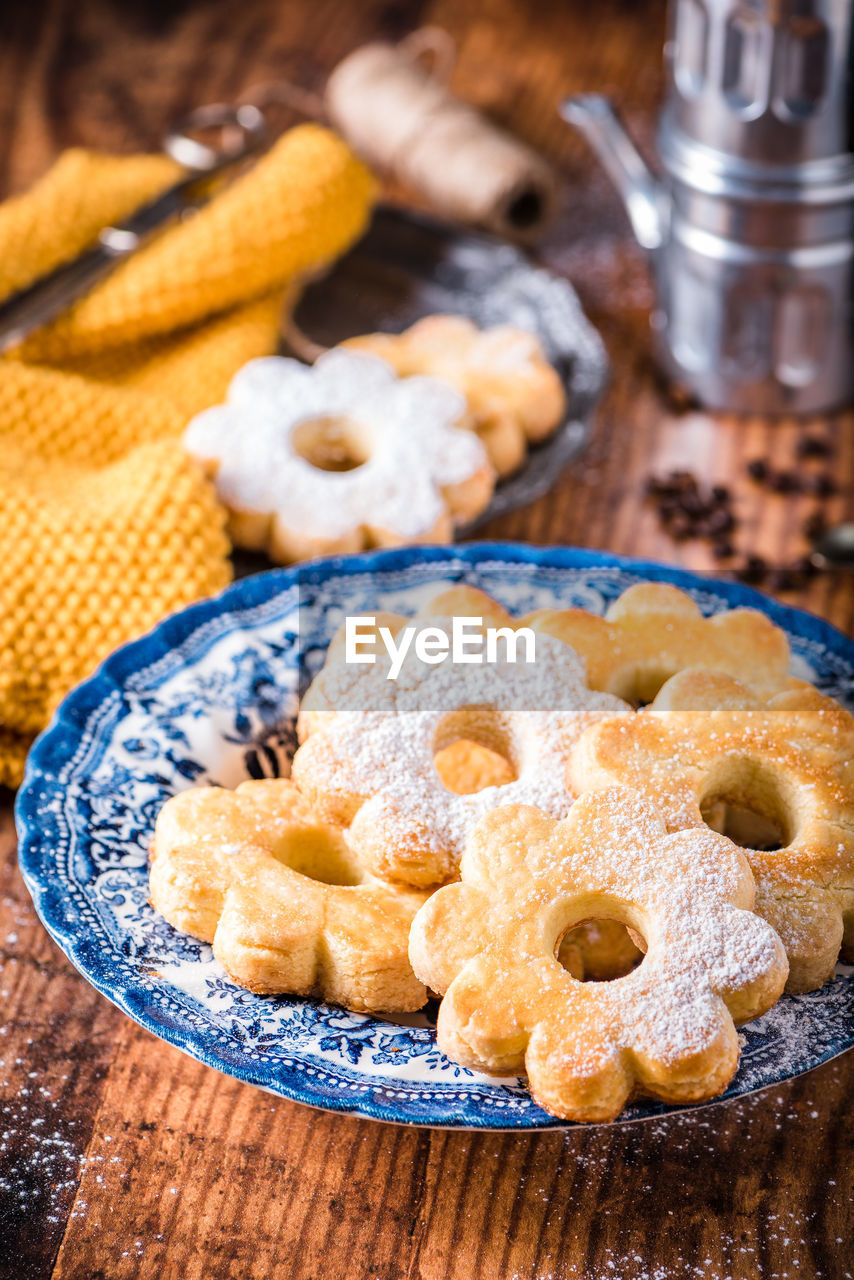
(393, 105)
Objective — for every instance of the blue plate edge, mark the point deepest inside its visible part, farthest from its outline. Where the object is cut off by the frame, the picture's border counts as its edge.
(44, 762)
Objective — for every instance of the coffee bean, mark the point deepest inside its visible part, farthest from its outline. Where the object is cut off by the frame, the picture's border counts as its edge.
(823, 485)
(785, 481)
(813, 447)
(786, 578)
(681, 527)
(753, 569)
(804, 566)
(814, 525)
(721, 521)
(693, 505)
(669, 507)
(683, 481)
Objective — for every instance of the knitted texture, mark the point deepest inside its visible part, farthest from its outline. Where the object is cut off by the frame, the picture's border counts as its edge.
(296, 209)
(192, 368)
(110, 526)
(63, 213)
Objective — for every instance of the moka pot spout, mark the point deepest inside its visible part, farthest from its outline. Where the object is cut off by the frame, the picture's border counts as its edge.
(645, 200)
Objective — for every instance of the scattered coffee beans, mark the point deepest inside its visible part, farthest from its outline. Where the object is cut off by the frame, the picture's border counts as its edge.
(688, 509)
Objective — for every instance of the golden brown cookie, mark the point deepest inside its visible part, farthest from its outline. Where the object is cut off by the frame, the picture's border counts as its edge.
(655, 630)
(489, 944)
(339, 456)
(515, 397)
(709, 752)
(650, 633)
(279, 894)
(369, 744)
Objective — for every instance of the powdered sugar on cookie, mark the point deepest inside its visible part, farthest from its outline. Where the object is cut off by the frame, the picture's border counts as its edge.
(374, 766)
(340, 455)
(786, 759)
(666, 1029)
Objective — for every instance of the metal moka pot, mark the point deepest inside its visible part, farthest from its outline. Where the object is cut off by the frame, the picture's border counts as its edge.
(750, 227)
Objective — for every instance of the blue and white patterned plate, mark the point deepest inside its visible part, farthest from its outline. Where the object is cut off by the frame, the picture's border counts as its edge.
(210, 695)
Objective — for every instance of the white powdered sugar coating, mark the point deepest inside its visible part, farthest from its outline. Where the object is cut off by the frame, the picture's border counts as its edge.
(690, 893)
(804, 740)
(415, 450)
(384, 750)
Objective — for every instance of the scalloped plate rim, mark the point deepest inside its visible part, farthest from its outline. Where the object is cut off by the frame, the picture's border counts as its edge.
(256, 590)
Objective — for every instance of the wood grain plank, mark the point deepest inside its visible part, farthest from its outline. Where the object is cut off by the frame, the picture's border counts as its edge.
(57, 1038)
(192, 1174)
(684, 1196)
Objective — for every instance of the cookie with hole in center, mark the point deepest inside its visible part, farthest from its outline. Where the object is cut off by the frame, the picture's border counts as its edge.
(600, 950)
(370, 743)
(515, 397)
(279, 894)
(654, 630)
(340, 456)
(667, 1029)
(775, 773)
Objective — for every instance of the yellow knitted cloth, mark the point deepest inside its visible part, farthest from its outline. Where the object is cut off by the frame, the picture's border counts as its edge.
(108, 525)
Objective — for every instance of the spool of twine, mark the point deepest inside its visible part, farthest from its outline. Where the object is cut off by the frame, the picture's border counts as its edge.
(398, 114)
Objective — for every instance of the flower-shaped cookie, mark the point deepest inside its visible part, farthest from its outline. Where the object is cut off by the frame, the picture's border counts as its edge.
(654, 631)
(281, 897)
(709, 752)
(332, 688)
(370, 745)
(666, 1029)
(515, 397)
(464, 766)
(339, 456)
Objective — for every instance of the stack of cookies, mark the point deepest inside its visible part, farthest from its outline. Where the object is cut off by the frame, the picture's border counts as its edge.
(602, 862)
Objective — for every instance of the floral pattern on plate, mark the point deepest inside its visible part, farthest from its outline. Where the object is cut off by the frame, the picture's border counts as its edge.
(210, 696)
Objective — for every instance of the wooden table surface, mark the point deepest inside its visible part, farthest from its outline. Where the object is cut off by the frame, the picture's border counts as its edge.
(120, 1156)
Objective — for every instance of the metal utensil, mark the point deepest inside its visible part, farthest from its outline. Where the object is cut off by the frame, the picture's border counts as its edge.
(834, 549)
(242, 130)
(750, 227)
